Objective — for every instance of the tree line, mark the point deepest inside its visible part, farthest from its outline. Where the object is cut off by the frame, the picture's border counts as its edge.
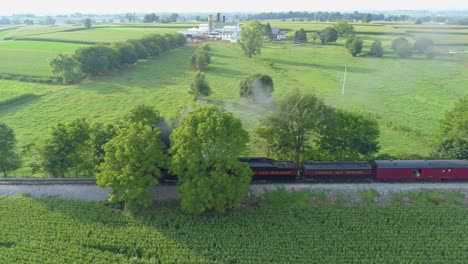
(99, 59)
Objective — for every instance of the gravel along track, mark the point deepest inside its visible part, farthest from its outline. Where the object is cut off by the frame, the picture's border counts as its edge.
(86, 189)
(382, 188)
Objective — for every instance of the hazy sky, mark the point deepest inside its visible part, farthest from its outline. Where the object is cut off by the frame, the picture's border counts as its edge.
(146, 6)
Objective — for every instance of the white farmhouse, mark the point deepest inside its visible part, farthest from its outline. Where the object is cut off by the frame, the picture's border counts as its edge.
(231, 33)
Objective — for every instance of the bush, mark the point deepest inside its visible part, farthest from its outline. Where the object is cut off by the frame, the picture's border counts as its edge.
(200, 58)
(29, 78)
(376, 49)
(97, 59)
(402, 47)
(328, 34)
(258, 87)
(199, 87)
(423, 44)
(67, 67)
(354, 45)
(126, 53)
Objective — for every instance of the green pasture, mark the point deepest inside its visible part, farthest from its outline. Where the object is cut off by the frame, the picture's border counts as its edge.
(31, 57)
(49, 230)
(37, 30)
(408, 96)
(106, 35)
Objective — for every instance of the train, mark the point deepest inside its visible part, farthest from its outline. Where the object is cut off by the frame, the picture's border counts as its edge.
(266, 169)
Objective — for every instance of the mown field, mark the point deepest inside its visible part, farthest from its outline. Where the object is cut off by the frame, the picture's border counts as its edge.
(408, 96)
(54, 231)
(31, 57)
(104, 35)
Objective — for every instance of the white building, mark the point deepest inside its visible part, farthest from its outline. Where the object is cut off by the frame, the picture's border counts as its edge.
(231, 33)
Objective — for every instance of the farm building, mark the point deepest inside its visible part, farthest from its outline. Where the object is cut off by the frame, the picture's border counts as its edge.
(278, 34)
(231, 33)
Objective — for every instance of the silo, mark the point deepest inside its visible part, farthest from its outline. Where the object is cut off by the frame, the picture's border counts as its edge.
(210, 23)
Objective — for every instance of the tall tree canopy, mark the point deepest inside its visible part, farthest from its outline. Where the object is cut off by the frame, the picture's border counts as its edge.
(348, 136)
(402, 47)
(9, 159)
(68, 151)
(376, 49)
(66, 67)
(328, 34)
(452, 135)
(344, 28)
(251, 40)
(354, 45)
(290, 129)
(132, 164)
(205, 149)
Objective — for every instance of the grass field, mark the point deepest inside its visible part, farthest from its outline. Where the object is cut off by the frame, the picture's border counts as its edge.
(106, 35)
(37, 30)
(54, 231)
(31, 57)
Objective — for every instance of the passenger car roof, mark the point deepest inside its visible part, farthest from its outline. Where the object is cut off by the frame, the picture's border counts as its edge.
(421, 164)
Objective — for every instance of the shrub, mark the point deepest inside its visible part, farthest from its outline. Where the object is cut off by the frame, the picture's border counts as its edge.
(423, 44)
(328, 34)
(376, 49)
(199, 87)
(258, 87)
(354, 45)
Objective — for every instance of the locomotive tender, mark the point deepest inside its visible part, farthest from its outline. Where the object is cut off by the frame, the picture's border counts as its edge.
(265, 169)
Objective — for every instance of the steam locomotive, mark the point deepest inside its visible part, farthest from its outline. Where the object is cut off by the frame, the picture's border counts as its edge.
(265, 169)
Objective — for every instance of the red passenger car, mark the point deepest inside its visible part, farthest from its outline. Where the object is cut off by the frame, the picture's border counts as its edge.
(411, 170)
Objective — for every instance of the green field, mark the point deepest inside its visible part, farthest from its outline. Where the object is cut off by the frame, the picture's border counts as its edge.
(106, 35)
(54, 231)
(408, 96)
(37, 30)
(31, 57)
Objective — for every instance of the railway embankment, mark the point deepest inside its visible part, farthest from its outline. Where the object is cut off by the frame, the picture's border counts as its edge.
(86, 189)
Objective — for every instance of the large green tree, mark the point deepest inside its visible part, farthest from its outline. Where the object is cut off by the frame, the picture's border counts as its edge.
(149, 116)
(347, 136)
(376, 49)
(87, 23)
(328, 34)
(452, 135)
(268, 31)
(300, 36)
(354, 45)
(73, 149)
(423, 44)
(251, 39)
(402, 47)
(97, 59)
(126, 53)
(205, 149)
(66, 67)
(132, 165)
(290, 129)
(344, 28)
(9, 159)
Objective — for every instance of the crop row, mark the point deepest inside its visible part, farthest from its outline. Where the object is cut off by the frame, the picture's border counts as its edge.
(53, 231)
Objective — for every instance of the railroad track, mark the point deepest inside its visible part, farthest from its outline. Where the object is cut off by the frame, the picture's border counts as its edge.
(47, 181)
(91, 181)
